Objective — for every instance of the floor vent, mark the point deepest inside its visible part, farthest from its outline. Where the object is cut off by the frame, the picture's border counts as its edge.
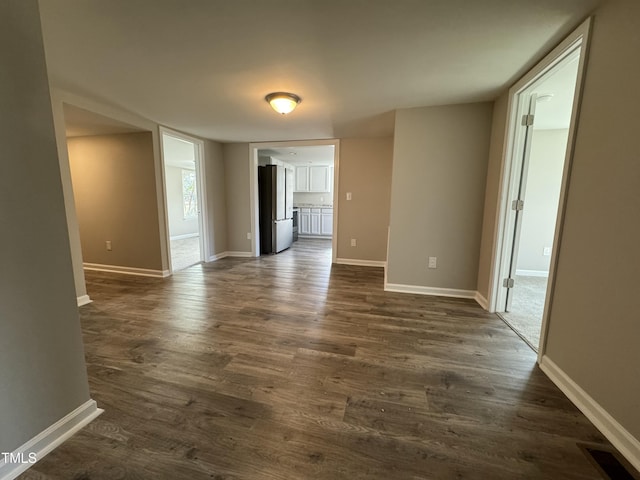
(610, 464)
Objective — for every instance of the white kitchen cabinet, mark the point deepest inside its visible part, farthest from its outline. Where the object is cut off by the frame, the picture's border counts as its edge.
(319, 179)
(326, 221)
(315, 178)
(302, 179)
(315, 221)
(304, 227)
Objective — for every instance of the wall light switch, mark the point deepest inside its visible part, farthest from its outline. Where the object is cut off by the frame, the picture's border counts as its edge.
(546, 251)
(108, 242)
(248, 235)
(433, 262)
(348, 195)
(353, 242)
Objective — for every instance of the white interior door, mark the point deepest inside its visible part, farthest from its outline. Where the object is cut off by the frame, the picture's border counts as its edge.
(517, 203)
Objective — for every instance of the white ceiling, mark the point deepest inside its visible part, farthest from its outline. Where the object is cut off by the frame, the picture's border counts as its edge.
(204, 66)
(307, 155)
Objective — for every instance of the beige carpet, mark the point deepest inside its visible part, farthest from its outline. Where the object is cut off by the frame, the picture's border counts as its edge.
(185, 252)
(527, 307)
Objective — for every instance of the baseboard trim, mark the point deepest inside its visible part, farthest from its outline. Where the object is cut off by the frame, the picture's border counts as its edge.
(361, 263)
(532, 273)
(420, 290)
(482, 301)
(221, 255)
(49, 439)
(84, 300)
(239, 254)
(218, 256)
(143, 272)
(627, 444)
(186, 235)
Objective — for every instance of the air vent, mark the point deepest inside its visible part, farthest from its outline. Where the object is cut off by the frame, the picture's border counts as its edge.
(610, 464)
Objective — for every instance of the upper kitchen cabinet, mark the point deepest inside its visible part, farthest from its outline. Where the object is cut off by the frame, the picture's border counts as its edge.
(314, 178)
(302, 179)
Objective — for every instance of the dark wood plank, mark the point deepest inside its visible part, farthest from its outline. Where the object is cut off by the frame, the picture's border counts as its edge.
(286, 367)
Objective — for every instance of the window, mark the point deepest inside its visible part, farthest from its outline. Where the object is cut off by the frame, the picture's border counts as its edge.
(189, 198)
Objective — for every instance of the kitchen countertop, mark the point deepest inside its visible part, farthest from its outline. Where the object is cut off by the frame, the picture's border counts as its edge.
(309, 205)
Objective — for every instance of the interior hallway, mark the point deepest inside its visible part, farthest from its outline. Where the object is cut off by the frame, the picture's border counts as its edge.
(286, 367)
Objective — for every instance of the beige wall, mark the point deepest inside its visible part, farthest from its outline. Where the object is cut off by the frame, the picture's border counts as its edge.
(491, 200)
(365, 171)
(594, 329)
(437, 196)
(216, 197)
(114, 186)
(43, 374)
(236, 170)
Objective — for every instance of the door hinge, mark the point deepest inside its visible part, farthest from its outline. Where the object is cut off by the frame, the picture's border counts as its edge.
(517, 205)
(527, 120)
(508, 283)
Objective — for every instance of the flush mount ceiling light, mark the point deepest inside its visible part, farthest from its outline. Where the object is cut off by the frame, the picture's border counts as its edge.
(545, 97)
(283, 102)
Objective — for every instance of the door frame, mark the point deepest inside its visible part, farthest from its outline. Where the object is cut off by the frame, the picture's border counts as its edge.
(200, 187)
(513, 144)
(253, 186)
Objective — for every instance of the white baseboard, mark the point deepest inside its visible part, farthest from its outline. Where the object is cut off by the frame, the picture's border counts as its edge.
(361, 263)
(627, 444)
(49, 439)
(221, 255)
(186, 235)
(532, 273)
(239, 254)
(143, 272)
(84, 300)
(218, 256)
(483, 302)
(420, 290)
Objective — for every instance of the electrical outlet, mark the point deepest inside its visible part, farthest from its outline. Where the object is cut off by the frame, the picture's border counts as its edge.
(433, 262)
(546, 251)
(353, 242)
(248, 235)
(348, 195)
(108, 242)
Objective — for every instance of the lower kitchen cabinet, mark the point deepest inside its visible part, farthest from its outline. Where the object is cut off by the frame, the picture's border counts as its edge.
(316, 222)
(305, 221)
(326, 221)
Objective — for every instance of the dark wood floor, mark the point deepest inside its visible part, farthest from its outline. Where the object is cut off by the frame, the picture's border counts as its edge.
(286, 367)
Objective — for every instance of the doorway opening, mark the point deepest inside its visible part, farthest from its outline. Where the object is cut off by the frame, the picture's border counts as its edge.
(309, 172)
(183, 193)
(542, 123)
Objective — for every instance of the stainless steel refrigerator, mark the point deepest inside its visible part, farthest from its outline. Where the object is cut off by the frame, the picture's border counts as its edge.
(275, 190)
